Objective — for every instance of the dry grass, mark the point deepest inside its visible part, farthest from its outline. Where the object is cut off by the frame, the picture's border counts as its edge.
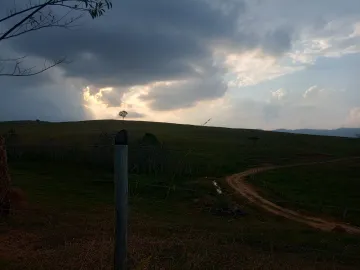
(40, 240)
(69, 224)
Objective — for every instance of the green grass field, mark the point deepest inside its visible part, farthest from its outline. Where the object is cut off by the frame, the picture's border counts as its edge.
(208, 150)
(326, 189)
(69, 220)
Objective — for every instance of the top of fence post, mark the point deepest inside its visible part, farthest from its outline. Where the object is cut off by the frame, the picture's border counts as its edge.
(121, 138)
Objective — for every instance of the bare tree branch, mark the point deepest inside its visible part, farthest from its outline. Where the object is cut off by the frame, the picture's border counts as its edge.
(71, 7)
(11, 59)
(24, 19)
(18, 71)
(95, 8)
(39, 16)
(66, 25)
(53, 3)
(16, 14)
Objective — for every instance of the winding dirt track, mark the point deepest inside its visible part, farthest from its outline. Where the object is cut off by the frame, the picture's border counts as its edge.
(238, 183)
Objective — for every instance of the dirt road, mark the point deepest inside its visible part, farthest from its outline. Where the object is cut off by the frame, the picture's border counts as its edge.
(238, 183)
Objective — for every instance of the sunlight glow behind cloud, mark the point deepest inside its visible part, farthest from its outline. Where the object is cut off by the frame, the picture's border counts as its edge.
(254, 67)
(242, 63)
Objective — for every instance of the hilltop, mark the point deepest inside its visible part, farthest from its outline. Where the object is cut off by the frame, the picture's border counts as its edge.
(206, 150)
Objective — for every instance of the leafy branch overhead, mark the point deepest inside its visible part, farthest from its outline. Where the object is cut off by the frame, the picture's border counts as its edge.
(37, 15)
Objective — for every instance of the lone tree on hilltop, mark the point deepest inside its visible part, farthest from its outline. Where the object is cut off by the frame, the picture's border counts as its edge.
(41, 14)
(123, 114)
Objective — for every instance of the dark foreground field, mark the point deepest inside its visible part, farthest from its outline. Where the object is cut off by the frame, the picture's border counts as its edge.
(176, 216)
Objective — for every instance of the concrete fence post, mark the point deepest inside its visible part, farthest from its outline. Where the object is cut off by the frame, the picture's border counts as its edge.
(121, 198)
(345, 212)
(5, 181)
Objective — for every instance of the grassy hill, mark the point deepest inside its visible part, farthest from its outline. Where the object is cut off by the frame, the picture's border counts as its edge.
(176, 216)
(201, 150)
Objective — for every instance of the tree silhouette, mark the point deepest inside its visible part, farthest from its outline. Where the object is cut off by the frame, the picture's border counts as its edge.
(123, 114)
(37, 15)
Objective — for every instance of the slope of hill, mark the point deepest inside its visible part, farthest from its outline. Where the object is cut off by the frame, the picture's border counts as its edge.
(200, 150)
(177, 219)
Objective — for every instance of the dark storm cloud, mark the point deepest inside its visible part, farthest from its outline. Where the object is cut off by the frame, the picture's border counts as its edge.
(124, 58)
(49, 103)
(43, 97)
(139, 41)
(207, 85)
(142, 41)
(13, 85)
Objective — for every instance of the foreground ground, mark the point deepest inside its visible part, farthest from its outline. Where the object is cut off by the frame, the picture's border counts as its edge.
(68, 224)
(177, 218)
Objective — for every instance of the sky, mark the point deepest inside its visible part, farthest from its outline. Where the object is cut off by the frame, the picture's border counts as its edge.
(264, 64)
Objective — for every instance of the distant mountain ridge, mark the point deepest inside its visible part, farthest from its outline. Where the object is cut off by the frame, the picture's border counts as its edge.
(340, 132)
